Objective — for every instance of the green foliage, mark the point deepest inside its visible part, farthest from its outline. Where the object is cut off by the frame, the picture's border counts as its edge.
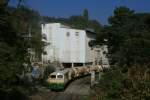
(79, 22)
(128, 35)
(86, 14)
(49, 69)
(129, 43)
(122, 15)
(111, 84)
(136, 87)
(138, 51)
(30, 22)
(13, 50)
(17, 93)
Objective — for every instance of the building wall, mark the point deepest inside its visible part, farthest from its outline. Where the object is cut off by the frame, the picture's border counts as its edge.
(72, 46)
(104, 58)
(63, 47)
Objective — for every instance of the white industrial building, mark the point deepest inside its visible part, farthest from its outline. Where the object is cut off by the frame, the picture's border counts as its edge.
(66, 45)
(101, 53)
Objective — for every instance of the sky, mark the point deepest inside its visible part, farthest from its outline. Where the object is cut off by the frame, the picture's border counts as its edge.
(98, 9)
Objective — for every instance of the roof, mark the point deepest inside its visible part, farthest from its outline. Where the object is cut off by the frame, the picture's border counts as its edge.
(90, 30)
(62, 72)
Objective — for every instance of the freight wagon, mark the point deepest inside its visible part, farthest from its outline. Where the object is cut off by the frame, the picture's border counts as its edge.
(59, 79)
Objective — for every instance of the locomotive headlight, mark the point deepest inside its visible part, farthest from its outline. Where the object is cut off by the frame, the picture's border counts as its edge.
(58, 73)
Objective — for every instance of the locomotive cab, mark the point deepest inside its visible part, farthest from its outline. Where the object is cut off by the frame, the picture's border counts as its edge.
(57, 80)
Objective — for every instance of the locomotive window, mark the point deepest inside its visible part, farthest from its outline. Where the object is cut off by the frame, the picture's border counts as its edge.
(59, 76)
(53, 76)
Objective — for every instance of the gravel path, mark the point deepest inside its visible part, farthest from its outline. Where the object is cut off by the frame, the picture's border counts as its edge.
(79, 87)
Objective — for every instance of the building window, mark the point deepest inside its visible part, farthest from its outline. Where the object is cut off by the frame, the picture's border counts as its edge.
(68, 34)
(77, 34)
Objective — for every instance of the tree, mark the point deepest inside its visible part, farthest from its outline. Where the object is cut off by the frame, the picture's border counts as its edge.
(30, 21)
(13, 51)
(129, 42)
(86, 14)
(77, 22)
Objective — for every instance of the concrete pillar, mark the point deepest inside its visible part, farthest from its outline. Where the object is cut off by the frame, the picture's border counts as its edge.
(61, 66)
(99, 75)
(83, 64)
(69, 75)
(92, 78)
(72, 65)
